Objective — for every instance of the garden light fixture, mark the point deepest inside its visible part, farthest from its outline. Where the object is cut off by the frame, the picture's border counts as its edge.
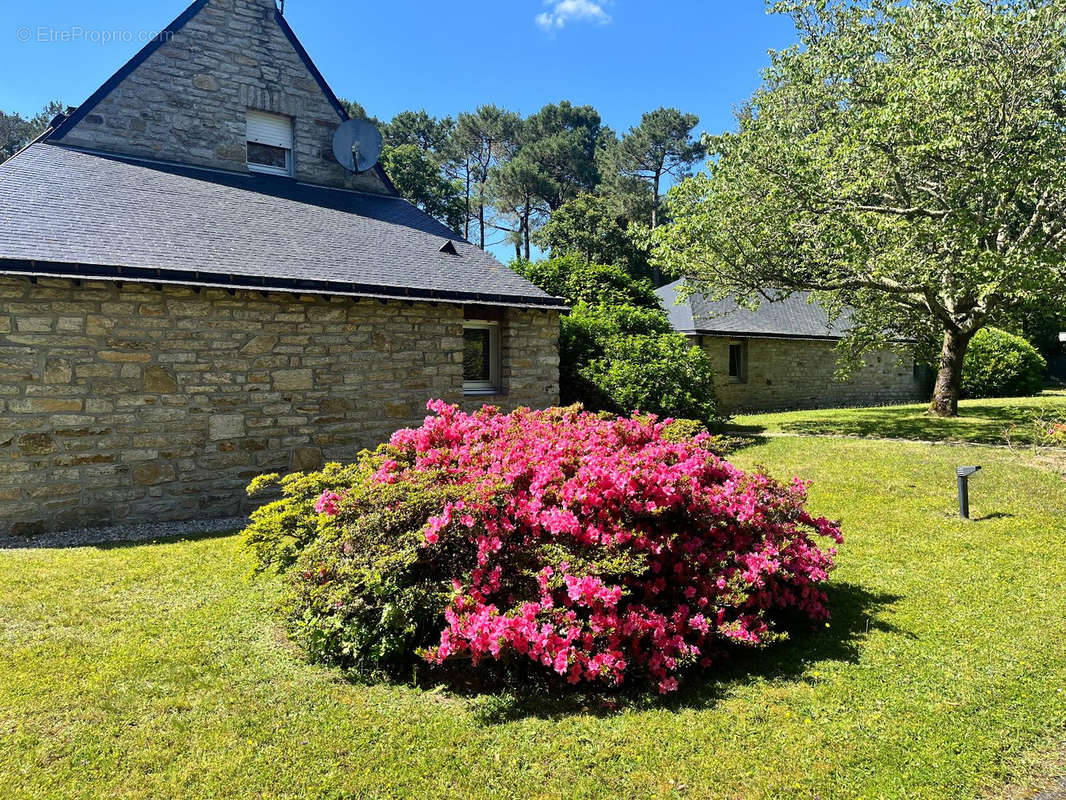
(962, 475)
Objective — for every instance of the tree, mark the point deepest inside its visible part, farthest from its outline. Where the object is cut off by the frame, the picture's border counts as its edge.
(518, 188)
(481, 141)
(16, 131)
(417, 176)
(355, 110)
(563, 142)
(419, 128)
(589, 227)
(661, 146)
(904, 160)
(415, 155)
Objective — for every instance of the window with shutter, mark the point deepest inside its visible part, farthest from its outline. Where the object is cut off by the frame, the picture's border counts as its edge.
(269, 143)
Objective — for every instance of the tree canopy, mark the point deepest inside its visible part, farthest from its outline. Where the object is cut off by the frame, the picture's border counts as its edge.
(557, 179)
(17, 131)
(905, 160)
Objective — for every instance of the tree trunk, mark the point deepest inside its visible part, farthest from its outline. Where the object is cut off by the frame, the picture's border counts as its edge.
(655, 202)
(525, 229)
(481, 215)
(945, 401)
(466, 223)
(656, 276)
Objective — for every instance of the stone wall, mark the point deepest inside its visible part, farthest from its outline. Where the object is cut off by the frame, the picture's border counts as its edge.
(126, 402)
(187, 101)
(795, 373)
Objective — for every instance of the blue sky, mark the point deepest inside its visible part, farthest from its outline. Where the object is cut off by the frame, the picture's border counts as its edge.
(624, 57)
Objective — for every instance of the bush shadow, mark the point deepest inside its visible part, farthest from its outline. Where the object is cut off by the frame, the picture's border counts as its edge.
(985, 422)
(856, 612)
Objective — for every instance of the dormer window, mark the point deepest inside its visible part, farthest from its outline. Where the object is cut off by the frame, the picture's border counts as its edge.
(269, 143)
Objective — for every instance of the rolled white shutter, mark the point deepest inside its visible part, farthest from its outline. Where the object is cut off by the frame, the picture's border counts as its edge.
(269, 129)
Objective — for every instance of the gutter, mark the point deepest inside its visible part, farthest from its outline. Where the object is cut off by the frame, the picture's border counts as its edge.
(812, 337)
(218, 280)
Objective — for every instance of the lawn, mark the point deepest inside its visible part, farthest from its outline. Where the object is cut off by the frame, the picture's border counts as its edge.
(156, 670)
(985, 421)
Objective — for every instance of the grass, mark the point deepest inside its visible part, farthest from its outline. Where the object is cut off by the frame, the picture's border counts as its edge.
(982, 421)
(156, 670)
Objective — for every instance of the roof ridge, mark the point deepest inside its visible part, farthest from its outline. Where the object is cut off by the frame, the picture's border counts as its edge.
(165, 36)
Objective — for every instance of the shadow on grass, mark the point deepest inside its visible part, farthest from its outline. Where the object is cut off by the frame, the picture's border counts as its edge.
(67, 542)
(855, 611)
(741, 439)
(982, 421)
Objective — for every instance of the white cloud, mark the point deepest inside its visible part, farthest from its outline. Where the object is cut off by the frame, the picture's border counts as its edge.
(565, 11)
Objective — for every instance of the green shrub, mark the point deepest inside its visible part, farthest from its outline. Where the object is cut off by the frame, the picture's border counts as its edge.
(661, 374)
(617, 350)
(584, 336)
(357, 593)
(1000, 364)
(279, 530)
(571, 278)
(623, 358)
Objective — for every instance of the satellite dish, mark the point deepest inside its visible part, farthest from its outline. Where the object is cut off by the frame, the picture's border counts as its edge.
(357, 145)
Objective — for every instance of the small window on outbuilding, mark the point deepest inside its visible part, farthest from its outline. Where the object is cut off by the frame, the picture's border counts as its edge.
(269, 143)
(738, 362)
(481, 357)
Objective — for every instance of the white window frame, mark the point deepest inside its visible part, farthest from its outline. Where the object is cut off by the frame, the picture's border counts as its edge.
(492, 385)
(280, 138)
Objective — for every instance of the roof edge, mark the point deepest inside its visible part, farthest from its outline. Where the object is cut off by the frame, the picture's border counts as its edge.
(123, 72)
(829, 337)
(219, 280)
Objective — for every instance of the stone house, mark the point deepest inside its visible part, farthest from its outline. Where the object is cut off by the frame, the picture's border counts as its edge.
(782, 356)
(193, 290)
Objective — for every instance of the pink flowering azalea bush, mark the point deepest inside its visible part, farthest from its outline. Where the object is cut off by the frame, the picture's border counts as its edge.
(594, 549)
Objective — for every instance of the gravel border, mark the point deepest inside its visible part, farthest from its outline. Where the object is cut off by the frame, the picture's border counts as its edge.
(129, 532)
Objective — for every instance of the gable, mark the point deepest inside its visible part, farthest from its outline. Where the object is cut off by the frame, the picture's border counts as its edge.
(185, 96)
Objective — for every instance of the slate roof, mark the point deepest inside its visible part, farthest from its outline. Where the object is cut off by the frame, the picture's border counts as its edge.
(78, 214)
(791, 318)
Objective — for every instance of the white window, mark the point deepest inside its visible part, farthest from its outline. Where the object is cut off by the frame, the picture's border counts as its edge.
(738, 362)
(481, 357)
(269, 143)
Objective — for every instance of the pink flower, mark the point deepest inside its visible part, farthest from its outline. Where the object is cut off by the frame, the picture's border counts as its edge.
(677, 553)
(328, 503)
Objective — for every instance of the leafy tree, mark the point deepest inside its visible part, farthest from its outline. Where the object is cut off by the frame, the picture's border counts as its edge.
(416, 156)
(904, 160)
(417, 176)
(419, 128)
(16, 131)
(581, 282)
(590, 227)
(355, 110)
